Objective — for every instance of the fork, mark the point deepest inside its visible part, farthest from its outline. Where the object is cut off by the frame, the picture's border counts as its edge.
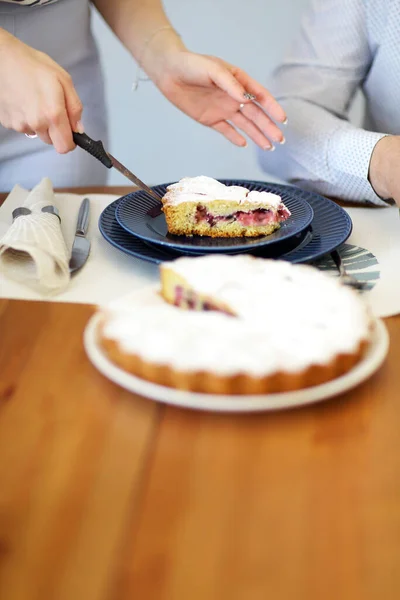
(345, 277)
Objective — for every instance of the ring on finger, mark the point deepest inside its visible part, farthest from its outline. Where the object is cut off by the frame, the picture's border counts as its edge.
(241, 105)
(31, 136)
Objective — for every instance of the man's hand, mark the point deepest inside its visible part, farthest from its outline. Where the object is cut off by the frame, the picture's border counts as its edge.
(384, 169)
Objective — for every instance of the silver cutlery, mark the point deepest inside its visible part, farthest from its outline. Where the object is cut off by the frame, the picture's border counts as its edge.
(81, 245)
(344, 276)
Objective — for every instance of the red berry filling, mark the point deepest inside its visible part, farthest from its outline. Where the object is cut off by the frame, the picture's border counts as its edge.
(187, 299)
(178, 300)
(257, 217)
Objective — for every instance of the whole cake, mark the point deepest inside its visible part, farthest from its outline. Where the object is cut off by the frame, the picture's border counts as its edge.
(204, 206)
(237, 325)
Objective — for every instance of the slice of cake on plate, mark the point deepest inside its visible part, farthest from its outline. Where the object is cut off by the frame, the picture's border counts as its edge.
(238, 325)
(204, 206)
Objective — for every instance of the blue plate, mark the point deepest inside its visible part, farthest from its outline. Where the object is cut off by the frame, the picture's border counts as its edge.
(330, 227)
(132, 215)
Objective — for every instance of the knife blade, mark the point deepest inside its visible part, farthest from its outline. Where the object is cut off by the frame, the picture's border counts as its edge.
(81, 245)
(96, 149)
(129, 175)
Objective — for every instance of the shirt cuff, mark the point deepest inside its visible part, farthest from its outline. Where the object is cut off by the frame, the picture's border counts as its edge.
(349, 156)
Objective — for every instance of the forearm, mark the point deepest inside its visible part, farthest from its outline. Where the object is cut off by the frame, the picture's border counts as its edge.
(316, 85)
(144, 29)
(5, 39)
(324, 153)
(384, 168)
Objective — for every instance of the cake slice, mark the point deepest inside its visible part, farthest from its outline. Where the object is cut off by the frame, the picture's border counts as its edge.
(204, 206)
(235, 285)
(178, 289)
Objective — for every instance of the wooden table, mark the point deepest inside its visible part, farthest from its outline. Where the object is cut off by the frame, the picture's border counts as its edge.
(104, 495)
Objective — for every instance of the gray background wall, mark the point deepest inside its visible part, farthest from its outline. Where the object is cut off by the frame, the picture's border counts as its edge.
(149, 134)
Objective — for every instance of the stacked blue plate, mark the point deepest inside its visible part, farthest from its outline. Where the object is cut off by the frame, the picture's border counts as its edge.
(316, 227)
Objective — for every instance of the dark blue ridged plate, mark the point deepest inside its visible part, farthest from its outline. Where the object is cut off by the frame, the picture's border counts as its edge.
(330, 227)
(132, 215)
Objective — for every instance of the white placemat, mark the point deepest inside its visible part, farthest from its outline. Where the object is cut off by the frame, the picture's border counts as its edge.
(109, 273)
(378, 230)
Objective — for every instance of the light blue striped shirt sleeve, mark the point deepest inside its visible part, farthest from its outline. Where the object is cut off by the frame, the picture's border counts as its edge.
(329, 61)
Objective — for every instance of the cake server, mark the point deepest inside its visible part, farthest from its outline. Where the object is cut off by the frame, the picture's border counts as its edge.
(81, 245)
(96, 149)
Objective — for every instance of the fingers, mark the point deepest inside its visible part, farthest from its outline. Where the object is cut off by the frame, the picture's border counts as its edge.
(255, 124)
(36, 127)
(254, 133)
(263, 97)
(43, 134)
(230, 133)
(262, 122)
(222, 77)
(238, 84)
(38, 97)
(73, 105)
(60, 132)
(60, 117)
(54, 126)
(67, 117)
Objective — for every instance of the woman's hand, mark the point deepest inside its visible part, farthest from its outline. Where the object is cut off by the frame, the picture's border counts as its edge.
(206, 88)
(37, 95)
(213, 92)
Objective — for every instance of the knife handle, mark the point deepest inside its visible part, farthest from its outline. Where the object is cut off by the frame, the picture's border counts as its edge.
(94, 148)
(83, 218)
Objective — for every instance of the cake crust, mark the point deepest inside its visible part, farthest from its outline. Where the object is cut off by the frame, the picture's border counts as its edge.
(240, 384)
(238, 326)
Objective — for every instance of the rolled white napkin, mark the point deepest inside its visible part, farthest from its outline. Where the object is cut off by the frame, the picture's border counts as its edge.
(33, 250)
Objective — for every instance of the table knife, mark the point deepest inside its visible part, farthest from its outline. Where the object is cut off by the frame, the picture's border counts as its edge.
(81, 245)
(96, 149)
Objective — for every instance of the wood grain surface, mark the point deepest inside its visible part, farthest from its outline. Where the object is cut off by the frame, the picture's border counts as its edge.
(107, 496)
